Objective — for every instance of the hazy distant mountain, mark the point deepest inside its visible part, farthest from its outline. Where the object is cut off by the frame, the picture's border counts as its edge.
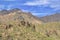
(51, 18)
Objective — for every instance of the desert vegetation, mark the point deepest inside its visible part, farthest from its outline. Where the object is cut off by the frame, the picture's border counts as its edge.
(20, 31)
(18, 25)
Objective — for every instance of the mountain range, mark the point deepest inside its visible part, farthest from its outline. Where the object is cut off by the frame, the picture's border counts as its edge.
(18, 25)
(10, 15)
(51, 18)
(17, 14)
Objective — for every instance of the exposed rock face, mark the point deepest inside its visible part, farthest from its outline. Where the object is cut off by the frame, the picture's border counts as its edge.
(18, 15)
(3, 12)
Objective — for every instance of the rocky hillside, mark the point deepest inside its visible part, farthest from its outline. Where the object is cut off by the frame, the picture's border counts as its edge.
(18, 15)
(18, 25)
(51, 18)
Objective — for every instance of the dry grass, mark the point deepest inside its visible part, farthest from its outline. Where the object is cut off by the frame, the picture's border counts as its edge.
(14, 31)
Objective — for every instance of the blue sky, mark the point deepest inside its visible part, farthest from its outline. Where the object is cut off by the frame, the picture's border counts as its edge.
(36, 7)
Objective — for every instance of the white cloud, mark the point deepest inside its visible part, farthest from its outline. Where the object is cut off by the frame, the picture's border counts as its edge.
(37, 2)
(51, 3)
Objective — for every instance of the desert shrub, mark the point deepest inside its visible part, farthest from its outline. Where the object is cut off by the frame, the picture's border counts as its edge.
(0, 36)
(28, 24)
(33, 28)
(19, 25)
(48, 33)
(9, 37)
(23, 23)
(9, 26)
